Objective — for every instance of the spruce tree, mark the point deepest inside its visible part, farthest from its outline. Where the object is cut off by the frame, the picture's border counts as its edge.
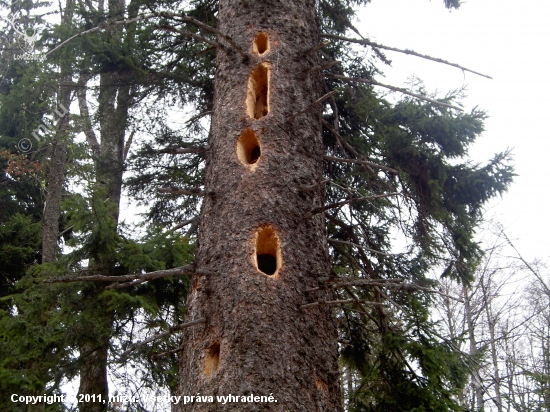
(309, 174)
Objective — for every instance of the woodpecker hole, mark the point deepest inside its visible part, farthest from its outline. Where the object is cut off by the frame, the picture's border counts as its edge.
(212, 360)
(321, 384)
(248, 148)
(261, 43)
(268, 251)
(257, 95)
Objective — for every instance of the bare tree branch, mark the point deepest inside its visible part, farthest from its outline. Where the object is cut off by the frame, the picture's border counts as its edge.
(190, 191)
(311, 106)
(171, 330)
(366, 42)
(323, 67)
(136, 279)
(397, 89)
(346, 202)
(361, 162)
(340, 302)
(184, 150)
(364, 247)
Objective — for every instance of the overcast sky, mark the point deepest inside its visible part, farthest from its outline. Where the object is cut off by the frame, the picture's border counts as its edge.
(509, 41)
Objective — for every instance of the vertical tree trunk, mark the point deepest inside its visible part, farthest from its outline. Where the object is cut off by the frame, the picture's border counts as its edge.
(477, 387)
(254, 237)
(58, 158)
(114, 103)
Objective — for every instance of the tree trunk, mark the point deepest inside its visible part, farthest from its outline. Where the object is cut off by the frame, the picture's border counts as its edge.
(254, 235)
(114, 103)
(476, 384)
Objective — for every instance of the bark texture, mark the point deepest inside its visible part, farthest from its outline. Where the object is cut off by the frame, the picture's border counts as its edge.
(257, 339)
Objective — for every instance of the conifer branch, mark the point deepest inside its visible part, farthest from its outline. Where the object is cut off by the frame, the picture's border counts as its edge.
(100, 26)
(198, 116)
(358, 302)
(170, 330)
(395, 284)
(187, 270)
(206, 27)
(314, 49)
(189, 34)
(361, 162)
(167, 353)
(183, 224)
(366, 42)
(397, 89)
(193, 191)
(340, 138)
(311, 106)
(344, 242)
(184, 150)
(65, 231)
(323, 67)
(340, 302)
(346, 202)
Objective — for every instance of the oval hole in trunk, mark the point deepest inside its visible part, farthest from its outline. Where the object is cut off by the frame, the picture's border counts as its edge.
(248, 148)
(268, 257)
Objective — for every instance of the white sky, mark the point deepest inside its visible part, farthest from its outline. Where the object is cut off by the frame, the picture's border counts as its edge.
(509, 41)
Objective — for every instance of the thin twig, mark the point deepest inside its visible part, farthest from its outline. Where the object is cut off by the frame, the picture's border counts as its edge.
(184, 150)
(311, 106)
(171, 330)
(102, 25)
(190, 191)
(314, 49)
(189, 34)
(364, 247)
(323, 67)
(397, 89)
(346, 202)
(65, 231)
(183, 224)
(366, 42)
(167, 353)
(340, 138)
(340, 302)
(208, 28)
(361, 162)
(179, 271)
(198, 116)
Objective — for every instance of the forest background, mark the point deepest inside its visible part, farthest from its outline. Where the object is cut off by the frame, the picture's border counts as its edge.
(509, 43)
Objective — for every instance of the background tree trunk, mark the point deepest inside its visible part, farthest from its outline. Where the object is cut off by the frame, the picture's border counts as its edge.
(257, 339)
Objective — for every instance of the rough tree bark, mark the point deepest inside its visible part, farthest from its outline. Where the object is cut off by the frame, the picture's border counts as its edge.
(114, 102)
(265, 171)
